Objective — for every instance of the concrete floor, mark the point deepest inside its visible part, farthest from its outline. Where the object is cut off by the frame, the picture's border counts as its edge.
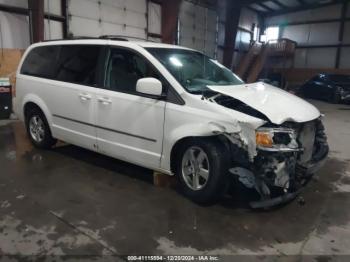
(69, 201)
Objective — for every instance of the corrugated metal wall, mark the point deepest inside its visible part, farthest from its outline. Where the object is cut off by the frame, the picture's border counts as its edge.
(306, 34)
(198, 27)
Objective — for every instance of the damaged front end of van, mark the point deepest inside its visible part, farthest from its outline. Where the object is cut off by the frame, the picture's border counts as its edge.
(279, 157)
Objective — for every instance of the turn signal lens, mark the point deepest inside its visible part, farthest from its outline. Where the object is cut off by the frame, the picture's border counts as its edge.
(264, 139)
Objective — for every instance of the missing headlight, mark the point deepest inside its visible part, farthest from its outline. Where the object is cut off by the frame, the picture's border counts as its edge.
(282, 138)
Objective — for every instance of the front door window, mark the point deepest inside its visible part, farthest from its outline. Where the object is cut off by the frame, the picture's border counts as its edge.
(125, 68)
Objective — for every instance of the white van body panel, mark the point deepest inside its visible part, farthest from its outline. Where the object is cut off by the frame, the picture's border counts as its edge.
(132, 128)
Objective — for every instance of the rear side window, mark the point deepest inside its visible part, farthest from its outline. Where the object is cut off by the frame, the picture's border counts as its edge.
(78, 64)
(68, 63)
(40, 62)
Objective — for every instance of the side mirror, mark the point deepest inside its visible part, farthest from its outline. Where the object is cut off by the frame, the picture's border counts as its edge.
(149, 86)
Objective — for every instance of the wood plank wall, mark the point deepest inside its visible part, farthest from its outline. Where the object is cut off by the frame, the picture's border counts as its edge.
(9, 60)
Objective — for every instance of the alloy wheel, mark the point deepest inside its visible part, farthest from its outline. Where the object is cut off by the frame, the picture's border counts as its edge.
(195, 168)
(36, 128)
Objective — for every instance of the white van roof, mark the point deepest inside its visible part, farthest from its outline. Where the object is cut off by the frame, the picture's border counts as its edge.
(103, 41)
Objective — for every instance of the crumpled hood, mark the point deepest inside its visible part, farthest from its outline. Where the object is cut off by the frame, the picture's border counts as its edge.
(278, 105)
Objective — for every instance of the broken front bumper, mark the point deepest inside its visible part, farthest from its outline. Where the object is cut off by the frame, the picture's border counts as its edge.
(279, 176)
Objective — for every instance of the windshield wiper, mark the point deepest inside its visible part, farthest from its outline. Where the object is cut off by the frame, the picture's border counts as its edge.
(207, 93)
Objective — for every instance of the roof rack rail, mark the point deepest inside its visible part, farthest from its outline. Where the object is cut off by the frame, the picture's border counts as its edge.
(113, 37)
(110, 37)
(123, 38)
(81, 37)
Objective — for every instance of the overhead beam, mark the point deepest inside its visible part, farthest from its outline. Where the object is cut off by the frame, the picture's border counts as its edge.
(249, 2)
(279, 4)
(254, 10)
(266, 7)
(14, 9)
(303, 7)
(54, 17)
(308, 22)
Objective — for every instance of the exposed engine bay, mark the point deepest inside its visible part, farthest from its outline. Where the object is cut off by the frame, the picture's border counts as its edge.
(285, 157)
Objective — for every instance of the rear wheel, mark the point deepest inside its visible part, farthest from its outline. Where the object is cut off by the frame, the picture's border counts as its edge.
(336, 98)
(38, 129)
(202, 170)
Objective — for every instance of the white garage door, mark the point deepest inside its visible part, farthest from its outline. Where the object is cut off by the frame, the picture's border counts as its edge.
(198, 28)
(108, 17)
(53, 29)
(14, 29)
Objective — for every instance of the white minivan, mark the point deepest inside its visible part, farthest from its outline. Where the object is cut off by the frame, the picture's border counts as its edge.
(173, 110)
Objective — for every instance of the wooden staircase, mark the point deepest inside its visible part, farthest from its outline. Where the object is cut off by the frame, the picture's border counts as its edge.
(252, 64)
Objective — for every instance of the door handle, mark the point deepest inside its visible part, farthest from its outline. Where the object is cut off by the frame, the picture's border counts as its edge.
(85, 97)
(104, 100)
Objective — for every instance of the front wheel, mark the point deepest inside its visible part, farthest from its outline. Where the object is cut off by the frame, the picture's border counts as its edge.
(202, 170)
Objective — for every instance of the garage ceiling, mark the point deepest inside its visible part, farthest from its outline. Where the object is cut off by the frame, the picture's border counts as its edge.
(279, 7)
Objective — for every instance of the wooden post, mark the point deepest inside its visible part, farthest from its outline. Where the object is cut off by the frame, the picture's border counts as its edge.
(163, 180)
(36, 17)
(170, 13)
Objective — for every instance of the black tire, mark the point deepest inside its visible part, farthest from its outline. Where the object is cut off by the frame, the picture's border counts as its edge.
(336, 98)
(47, 140)
(218, 170)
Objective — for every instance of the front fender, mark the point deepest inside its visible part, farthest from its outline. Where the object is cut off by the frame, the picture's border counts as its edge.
(205, 129)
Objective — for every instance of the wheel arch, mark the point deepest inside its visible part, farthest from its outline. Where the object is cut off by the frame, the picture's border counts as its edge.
(33, 101)
(199, 130)
(176, 147)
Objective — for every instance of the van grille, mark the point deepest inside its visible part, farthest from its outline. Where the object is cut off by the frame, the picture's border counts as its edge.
(306, 138)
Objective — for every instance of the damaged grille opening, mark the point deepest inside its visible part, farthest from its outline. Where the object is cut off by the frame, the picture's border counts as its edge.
(237, 105)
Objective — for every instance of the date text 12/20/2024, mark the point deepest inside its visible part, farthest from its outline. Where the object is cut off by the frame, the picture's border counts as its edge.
(174, 258)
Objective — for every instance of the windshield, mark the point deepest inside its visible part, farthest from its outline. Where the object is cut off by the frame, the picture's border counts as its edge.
(194, 70)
